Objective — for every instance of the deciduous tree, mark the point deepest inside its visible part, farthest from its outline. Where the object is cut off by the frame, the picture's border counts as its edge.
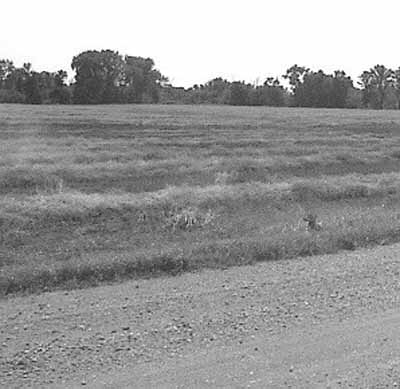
(375, 83)
(98, 76)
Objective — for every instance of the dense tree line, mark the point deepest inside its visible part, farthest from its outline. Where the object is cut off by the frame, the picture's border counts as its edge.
(220, 91)
(105, 77)
(378, 88)
(23, 85)
(317, 89)
(101, 77)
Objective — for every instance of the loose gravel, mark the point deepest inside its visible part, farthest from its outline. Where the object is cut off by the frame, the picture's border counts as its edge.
(54, 338)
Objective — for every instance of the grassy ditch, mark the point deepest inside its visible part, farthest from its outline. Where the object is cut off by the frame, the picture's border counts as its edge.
(71, 240)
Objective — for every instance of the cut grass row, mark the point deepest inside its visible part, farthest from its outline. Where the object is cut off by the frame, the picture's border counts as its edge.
(147, 178)
(59, 203)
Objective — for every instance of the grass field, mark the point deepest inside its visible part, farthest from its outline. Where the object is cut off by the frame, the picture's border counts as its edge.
(105, 193)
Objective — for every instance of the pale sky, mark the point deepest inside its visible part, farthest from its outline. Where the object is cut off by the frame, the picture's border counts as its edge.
(193, 41)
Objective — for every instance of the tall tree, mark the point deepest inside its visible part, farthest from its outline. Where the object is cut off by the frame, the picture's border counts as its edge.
(141, 80)
(341, 86)
(98, 76)
(375, 83)
(295, 75)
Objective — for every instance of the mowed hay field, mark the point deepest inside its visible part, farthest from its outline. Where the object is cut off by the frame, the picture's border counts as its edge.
(105, 193)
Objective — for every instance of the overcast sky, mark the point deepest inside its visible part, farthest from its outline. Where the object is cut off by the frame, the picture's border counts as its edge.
(193, 41)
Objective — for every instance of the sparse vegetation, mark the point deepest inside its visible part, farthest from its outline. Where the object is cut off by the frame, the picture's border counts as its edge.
(101, 194)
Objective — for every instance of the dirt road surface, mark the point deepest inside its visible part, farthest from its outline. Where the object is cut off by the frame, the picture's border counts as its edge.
(323, 321)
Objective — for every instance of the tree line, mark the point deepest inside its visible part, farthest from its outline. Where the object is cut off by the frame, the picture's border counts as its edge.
(23, 85)
(101, 77)
(107, 77)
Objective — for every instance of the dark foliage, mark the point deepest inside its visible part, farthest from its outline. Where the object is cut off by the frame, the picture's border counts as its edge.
(317, 89)
(106, 77)
(23, 85)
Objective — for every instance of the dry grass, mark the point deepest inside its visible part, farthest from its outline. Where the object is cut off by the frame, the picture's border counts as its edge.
(100, 194)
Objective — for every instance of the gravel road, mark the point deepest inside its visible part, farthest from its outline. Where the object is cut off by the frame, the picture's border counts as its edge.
(323, 321)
